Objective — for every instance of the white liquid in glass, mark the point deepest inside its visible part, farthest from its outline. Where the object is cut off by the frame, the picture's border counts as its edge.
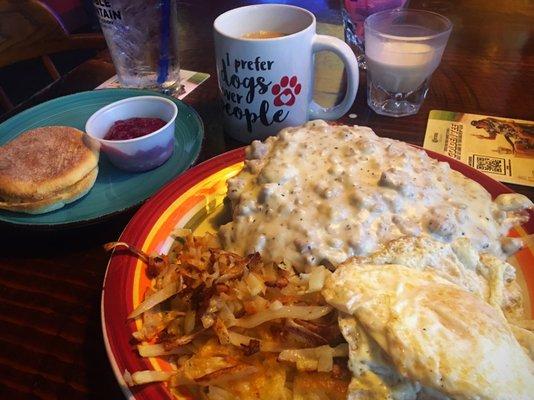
(400, 67)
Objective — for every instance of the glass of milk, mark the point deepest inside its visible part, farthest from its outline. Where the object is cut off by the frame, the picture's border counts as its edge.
(354, 13)
(402, 49)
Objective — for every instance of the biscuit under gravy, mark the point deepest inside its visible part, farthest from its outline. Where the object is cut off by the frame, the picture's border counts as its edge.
(319, 194)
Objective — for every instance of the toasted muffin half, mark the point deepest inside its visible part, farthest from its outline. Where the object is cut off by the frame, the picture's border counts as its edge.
(45, 168)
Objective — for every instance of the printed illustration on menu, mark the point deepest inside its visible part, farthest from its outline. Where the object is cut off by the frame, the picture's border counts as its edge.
(503, 148)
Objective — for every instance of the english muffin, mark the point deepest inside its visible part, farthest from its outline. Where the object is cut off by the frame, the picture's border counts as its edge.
(45, 168)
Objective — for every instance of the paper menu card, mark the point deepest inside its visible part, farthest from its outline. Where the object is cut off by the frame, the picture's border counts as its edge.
(502, 148)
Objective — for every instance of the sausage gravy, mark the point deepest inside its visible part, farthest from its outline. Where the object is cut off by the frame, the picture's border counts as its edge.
(319, 194)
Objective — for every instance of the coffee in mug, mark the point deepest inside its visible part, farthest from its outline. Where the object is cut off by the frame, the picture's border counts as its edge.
(266, 83)
(263, 35)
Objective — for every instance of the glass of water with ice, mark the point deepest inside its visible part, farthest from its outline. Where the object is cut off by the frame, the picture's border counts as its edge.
(402, 49)
(142, 37)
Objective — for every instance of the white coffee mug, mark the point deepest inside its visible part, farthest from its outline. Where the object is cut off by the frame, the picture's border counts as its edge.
(267, 84)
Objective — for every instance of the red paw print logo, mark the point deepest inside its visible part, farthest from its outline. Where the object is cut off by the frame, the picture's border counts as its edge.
(286, 91)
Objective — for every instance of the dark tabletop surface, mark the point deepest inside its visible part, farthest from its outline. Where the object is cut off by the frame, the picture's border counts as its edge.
(50, 281)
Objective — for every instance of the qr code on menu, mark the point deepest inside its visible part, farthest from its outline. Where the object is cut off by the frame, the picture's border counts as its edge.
(490, 164)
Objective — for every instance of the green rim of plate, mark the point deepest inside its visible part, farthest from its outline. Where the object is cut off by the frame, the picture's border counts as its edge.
(114, 190)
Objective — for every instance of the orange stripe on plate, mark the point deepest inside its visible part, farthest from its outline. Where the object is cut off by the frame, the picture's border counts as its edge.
(167, 221)
(525, 258)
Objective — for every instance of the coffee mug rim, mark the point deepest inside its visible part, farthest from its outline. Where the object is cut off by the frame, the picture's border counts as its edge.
(262, 40)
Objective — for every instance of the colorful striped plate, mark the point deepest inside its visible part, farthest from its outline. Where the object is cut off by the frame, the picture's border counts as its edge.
(195, 201)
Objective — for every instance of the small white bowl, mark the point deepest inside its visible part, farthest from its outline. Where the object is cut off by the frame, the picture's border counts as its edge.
(142, 153)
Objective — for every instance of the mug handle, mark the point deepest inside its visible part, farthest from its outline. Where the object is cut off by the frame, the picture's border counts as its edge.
(343, 51)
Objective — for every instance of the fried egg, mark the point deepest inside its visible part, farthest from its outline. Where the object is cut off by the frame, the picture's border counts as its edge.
(484, 275)
(433, 337)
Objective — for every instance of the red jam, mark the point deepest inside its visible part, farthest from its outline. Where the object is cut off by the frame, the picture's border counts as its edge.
(133, 128)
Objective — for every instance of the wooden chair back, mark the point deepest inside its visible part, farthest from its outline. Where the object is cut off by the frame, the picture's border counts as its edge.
(31, 29)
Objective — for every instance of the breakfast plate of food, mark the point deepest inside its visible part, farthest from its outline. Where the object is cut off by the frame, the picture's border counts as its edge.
(324, 263)
(51, 176)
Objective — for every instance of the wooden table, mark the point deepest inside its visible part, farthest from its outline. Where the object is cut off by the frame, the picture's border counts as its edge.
(50, 281)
